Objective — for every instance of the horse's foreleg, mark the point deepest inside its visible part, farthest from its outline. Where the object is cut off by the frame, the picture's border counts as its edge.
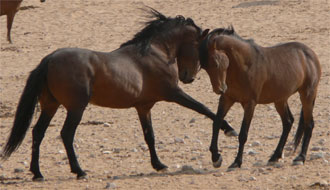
(10, 20)
(185, 100)
(145, 119)
(67, 133)
(243, 134)
(223, 107)
(287, 120)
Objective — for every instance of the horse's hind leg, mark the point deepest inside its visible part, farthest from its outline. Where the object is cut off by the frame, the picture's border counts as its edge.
(307, 124)
(49, 107)
(67, 133)
(145, 119)
(287, 120)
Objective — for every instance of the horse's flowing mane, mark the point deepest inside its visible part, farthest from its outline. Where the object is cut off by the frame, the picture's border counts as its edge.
(203, 48)
(161, 27)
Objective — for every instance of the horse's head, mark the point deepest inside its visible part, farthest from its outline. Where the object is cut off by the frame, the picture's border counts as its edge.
(187, 56)
(216, 68)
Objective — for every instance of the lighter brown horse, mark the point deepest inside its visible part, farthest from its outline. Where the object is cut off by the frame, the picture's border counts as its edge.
(140, 73)
(242, 71)
(10, 8)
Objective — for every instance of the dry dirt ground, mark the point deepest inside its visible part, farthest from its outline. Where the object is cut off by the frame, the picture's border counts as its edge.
(116, 156)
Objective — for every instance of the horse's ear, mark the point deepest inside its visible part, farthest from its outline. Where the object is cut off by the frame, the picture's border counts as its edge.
(204, 34)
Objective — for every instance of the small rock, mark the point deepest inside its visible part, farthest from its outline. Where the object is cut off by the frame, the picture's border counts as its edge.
(187, 168)
(218, 174)
(193, 120)
(178, 140)
(116, 150)
(106, 152)
(321, 142)
(61, 151)
(316, 148)
(321, 183)
(252, 178)
(106, 125)
(252, 152)
(2, 177)
(134, 150)
(318, 155)
(18, 170)
(186, 137)
(144, 147)
(258, 163)
(116, 177)
(110, 186)
(256, 143)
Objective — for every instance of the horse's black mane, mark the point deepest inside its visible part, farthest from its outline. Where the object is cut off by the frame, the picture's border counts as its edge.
(161, 27)
(203, 48)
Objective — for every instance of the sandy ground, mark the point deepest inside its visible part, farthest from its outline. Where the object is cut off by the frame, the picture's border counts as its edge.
(116, 156)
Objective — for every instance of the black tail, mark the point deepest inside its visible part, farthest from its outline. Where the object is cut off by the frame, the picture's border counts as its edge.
(300, 131)
(25, 108)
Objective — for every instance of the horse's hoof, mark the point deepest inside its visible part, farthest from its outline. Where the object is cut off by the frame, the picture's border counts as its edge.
(271, 163)
(38, 179)
(233, 167)
(163, 170)
(297, 163)
(217, 163)
(82, 175)
(231, 133)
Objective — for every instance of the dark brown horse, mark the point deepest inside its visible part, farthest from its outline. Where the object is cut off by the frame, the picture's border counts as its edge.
(242, 71)
(10, 8)
(140, 73)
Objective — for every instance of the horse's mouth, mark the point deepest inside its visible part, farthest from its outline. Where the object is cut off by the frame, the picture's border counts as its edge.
(188, 81)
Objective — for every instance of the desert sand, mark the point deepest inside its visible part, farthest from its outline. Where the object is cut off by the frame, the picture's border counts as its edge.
(115, 156)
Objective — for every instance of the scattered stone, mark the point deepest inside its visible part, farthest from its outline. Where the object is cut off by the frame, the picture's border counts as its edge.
(322, 183)
(116, 177)
(187, 168)
(321, 142)
(110, 186)
(315, 156)
(61, 151)
(193, 120)
(134, 150)
(252, 152)
(2, 177)
(106, 125)
(252, 178)
(193, 158)
(186, 137)
(218, 174)
(256, 143)
(316, 148)
(106, 152)
(179, 140)
(231, 147)
(116, 150)
(258, 163)
(144, 147)
(18, 170)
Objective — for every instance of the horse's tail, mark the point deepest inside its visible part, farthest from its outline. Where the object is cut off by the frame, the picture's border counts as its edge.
(300, 131)
(25, 108)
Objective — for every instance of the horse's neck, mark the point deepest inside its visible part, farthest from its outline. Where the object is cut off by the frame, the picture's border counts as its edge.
(166, 50)
(240, 53)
